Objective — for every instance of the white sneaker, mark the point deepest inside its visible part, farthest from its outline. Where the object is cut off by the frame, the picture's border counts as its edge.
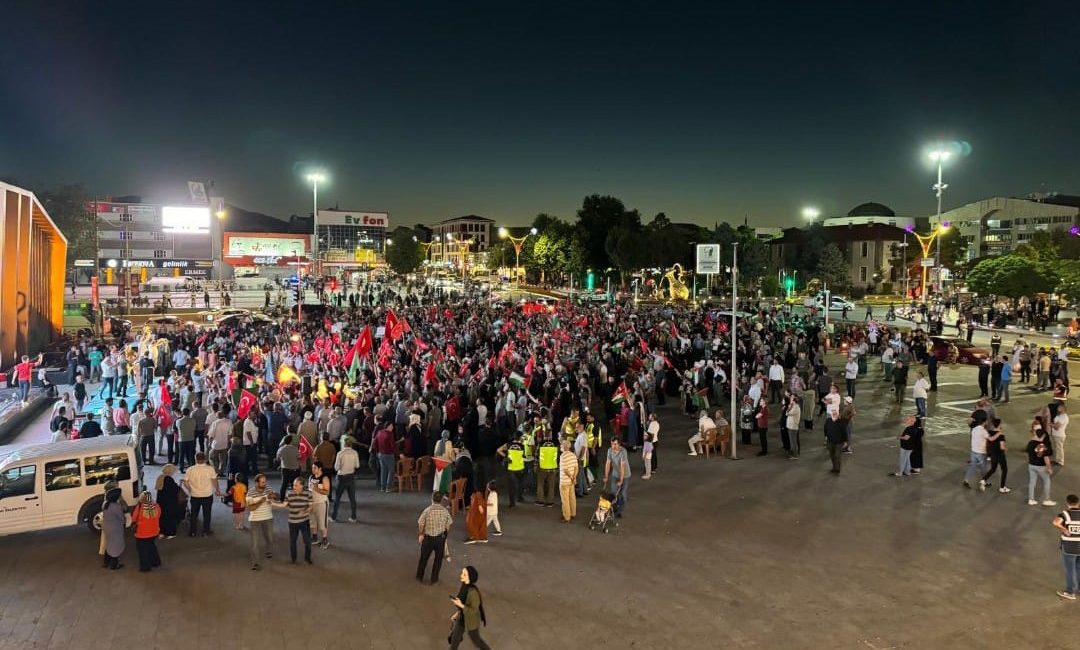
(692, 453)
(1032, 502)
(1048, 503)
(1004, 490)
(982, 486)
(1066, 595)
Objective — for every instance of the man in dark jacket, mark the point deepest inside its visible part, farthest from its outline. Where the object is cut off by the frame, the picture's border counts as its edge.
(836, 437)
(900, 380)
(90, 428)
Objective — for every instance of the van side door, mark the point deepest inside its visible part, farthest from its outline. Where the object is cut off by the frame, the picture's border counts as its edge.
(20, 499)
(64, 494)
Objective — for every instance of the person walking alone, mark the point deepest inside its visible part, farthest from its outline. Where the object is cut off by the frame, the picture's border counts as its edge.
(835, 439)
(345, 466)
(1040, 463)
(470, 612)
(433, 525)
(260, 501)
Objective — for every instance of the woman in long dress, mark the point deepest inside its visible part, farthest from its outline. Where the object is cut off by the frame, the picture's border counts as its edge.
(112, 526)
(168, 499)
(444, 458)
(476, 519)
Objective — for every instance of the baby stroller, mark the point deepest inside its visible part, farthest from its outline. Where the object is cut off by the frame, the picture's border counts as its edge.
(604, 517)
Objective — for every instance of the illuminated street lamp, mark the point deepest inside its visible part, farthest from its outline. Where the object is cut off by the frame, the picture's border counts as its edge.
(315, 178)
(810, 213)
(926, 242)
(518, 243)
(938, 156)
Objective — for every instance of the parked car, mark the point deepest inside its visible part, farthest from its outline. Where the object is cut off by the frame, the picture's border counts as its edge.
(164, 324)
(218, 314)
(966, 353)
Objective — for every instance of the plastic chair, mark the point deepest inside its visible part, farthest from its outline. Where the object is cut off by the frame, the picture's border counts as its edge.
(709, 443)
(423, 466)
(405, 473)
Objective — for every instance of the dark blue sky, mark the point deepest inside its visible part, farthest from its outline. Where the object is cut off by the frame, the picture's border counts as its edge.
(430, 110)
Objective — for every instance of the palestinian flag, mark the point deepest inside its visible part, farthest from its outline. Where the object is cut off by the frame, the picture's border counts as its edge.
(621, 394)
(517, 380)
(354, 369)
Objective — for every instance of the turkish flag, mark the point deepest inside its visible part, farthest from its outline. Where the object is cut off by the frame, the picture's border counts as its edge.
(395, 327)
(305, 449)
(166, 398)
(247, 402)
(430, 378)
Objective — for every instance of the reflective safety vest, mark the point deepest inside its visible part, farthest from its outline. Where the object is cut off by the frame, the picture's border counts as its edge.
(515, 457)
(549, 455)
(528, 441)
(593, 436)
(1070, 542)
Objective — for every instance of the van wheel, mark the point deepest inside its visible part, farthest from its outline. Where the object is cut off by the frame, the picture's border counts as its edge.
(91, 514)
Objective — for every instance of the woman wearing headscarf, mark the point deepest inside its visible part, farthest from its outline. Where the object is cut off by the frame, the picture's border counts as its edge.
(169, 501)
(444, 458)
(470, 614)
(415, 436)
(476, 519)
(147, 521)
(112, 527)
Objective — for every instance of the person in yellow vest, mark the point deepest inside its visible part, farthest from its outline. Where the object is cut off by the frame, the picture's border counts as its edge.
(514, 453)
(548, 463)
(569, 425)
(595, 439)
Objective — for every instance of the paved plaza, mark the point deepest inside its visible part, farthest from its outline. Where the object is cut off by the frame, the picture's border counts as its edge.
(755, 553)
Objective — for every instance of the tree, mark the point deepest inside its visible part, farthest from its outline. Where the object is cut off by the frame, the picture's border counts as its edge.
(405, 255)
(69, 208)
(953, 249)
(832, 268)
(598, 216)
(1070, 280)
(1011, 276)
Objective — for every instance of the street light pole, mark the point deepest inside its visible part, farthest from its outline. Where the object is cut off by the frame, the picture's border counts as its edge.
(939, 156)
(733, 416)
(315, 178)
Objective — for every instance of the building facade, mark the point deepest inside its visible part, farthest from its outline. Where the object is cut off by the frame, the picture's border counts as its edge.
(33, 255)
(351, 240)
(996, 226)
(144, 240)
(460, 239)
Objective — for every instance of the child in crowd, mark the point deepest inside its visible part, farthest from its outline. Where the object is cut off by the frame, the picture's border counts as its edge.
(646, 455)
(493, 508)
(238, 493)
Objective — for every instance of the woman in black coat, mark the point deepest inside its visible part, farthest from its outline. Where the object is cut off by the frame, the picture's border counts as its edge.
(168, 499)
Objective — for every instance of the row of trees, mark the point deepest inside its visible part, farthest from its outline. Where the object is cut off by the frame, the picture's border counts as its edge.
(1048, 262)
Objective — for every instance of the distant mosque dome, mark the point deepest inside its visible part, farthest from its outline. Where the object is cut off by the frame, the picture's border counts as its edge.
(871, 210)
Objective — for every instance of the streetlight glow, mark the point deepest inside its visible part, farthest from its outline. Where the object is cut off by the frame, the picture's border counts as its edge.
(503, 232)
(940, 155)
(810, 214)
(532, 231)
(316, 177)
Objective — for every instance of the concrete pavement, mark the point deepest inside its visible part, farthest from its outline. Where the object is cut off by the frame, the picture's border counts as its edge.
(756, 553)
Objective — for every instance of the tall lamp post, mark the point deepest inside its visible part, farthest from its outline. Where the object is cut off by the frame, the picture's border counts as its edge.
(938, 156)
(518, 243)
(221, 214)
(315, 178)
(810, 213)
(733, 374)
(926, 242)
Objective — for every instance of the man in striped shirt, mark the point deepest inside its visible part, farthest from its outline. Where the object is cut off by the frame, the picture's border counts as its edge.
(298, 501)
(569, 466)
(260, 520)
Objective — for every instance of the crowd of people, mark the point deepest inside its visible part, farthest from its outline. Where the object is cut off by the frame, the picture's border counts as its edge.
(488, 401)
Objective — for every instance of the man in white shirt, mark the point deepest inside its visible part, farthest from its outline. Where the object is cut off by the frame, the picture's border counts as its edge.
(345, 465)
(201, 484)
(251, 442)
(776, 382)
(976, 465)
(1057, 433)
(704, 424)
(922, 384)
(832, 401)
(260, 519)
(851, 373)
(755, 391)
(219, 433)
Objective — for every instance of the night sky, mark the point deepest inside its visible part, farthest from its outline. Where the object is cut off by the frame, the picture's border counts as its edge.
(433, 110)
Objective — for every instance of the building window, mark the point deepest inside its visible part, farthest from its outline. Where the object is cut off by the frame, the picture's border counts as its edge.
(865, 250)
(159, 236)
(124, 235)
(160, 254)
(862, 269)
(125, 218)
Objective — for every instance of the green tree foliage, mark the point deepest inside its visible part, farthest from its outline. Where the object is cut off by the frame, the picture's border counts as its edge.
(1069, 284)
(405, 255)
(598, 216)
(68, 205)
(953, 250)
(1012, 276)
(832, 268)
(770, 286)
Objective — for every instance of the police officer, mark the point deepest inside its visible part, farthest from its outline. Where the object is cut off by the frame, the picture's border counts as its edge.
(995, 345)
(547, 472)
(595, 439)
(1068, 524)
(514, 453)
